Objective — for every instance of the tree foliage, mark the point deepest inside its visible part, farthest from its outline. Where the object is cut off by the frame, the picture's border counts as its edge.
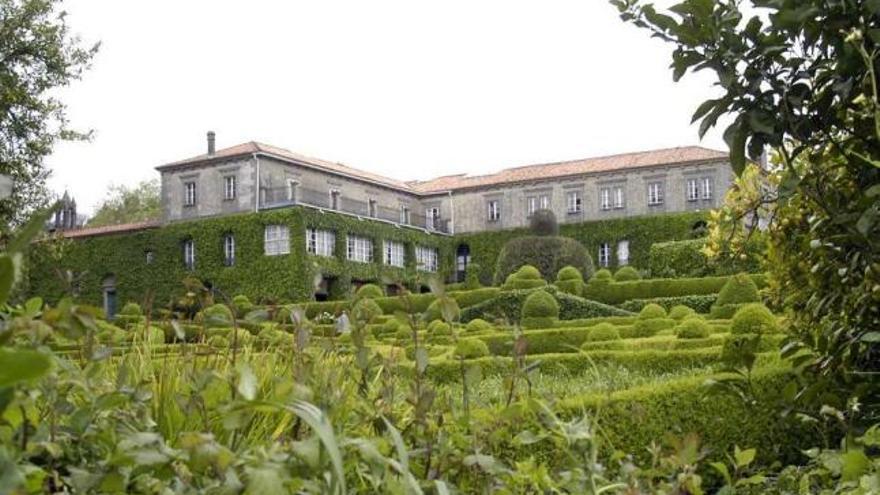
(38, 55)
(125, 204)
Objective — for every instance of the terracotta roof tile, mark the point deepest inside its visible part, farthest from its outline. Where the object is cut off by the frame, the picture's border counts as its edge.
(110, 229)
(571, 168)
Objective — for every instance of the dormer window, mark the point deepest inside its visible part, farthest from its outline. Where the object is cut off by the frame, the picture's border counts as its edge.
(189, 193)
(229, 187)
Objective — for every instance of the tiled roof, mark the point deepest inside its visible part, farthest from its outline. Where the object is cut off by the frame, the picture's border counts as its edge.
(670, 156)
(110, 229)
(255, 147)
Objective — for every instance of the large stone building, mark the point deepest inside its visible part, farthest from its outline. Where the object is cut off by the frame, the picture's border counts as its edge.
(255, 176)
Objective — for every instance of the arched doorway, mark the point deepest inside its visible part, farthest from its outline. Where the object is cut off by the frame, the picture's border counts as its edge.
(462, 260)
(108, 289)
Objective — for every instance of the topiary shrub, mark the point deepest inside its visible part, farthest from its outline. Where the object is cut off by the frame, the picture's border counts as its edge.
(570, 280)
(472, 277)
(439, 327)
(130, 314)
(603, 275)
(693, 328)
(753, 318)
(132, 309)
(652, 311)
(543, 223)
(627, 274)
(478, 325)
(650, 327)
(602, 332)
(471, 349)
(366, 310)
(740, 350)
(680, 312)
(547, 254)
(540, 310)
(435, 311)
(242, 305)
(740, 289)
(371, 291)
(526, 277)
(218, 342)
(217, 315)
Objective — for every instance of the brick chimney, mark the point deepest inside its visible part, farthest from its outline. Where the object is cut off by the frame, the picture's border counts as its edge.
(211, 140)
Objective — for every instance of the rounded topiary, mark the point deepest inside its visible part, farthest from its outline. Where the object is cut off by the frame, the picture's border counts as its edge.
(478, 325)
(218, 342)
(543, 223)
(439, 327)
(528, 272)
(155, 335)
(739, 289)
(692, 328)
(602, 332)
(740, 349)
(242, 305)
(652, 311)
(471, 348)
(626, 274)
(217, 315)
(650, 327)
(570, 280)
(540, 309)
(680, 312)
(131, 309)
(569, 273)
(371, 291)
(435, 310)
(547, 254)
(472, 277)
(754, 318)
(366, 310)
(603, 275)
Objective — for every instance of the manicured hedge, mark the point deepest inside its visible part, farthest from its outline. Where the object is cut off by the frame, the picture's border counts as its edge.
(508, 304)
(547, 254)
(619, 292)
(685, 258)
(700, 304)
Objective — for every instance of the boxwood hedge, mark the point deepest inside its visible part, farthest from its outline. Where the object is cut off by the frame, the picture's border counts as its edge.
(619, 292)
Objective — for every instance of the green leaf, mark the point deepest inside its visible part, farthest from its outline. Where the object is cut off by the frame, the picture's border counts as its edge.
(473, 375)
(870, 337)
(703, 109)
(29, 231)
(421, 359)
(855, 464)
(722, 469)
(21, 365)
(743, 457)
(247, 382)
(735, 136)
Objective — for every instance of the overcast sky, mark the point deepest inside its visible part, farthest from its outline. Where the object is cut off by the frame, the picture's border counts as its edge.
(409, 89)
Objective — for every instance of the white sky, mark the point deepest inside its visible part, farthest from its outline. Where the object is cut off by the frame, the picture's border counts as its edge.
(409, 89)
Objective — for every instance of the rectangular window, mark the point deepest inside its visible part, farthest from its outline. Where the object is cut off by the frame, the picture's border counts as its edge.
(320, 242)
(693, 190)
(372, 208)
(494, 210)
(604, 254)
(229, 250)
(150, 255)
(623, 253)
(360, 249)
(618, 197)
(189, 254)
(545, 202)
(393, 253)
(605, 198)
(707, 187)
(291, 190)
(276, 240)
(655, 193)
(432, 218)
(189, 194)
(229, 187)
(426, 259)
(532, 205)
(574, 201)
(404, 214)
(334, 199)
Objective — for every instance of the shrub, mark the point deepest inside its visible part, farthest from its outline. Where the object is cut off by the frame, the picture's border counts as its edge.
(652, 311)
(686, 259)
(739, 289)
(627, 274)
(371, 291)
(692, 328)
(543, 223)
(366, 310)
(570, 280)
(131, 309)
(680, 312)
(540, 310)
(547, 254)
(471, 348)
(468, 298)
(602, 332)
(439, 327)
(740, 349)
(217, 315)
(700, 304)
(603, 275)
(242, 305)
(508, 305)
(218, 342)
(754, 318)
(569, 273)
(434, 311)
(648, 327)
(478, 325)
(573, 307)
(619, 292)
(155, 335)
(472, 277)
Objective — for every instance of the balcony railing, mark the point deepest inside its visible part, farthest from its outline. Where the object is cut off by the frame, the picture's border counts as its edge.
(277, 197)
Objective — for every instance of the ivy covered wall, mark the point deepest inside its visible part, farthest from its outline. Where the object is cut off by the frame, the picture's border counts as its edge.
(285, 277)
(641, 232)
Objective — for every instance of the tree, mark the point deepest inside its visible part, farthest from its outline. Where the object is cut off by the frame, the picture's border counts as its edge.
(38, 55)
(129, 204)
(800, 77)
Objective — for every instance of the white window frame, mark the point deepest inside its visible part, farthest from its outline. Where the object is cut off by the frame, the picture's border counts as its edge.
(604, 254)
(531, 205)
(655, 193)
(494, 210)
(276, 240)
(394, 254)
(229, 250)
(359, 249)
(320, 242)
(334, 199)
(706, 183)
(372, 208)
(150, 256)
(545, 202)
(189, 193)
(427, 259)
(432, 217)
(189, 254)
(291, 190)
(404, 214)
(574, 201)
(605, 198)
(229, 187)
(618, 197)
(623, 252)
(693, 190)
